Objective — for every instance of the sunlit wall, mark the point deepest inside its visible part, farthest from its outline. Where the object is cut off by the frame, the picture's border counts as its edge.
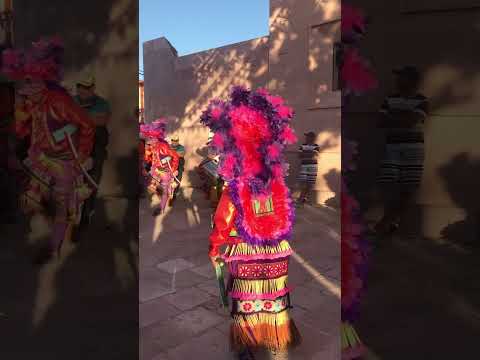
(294, 61)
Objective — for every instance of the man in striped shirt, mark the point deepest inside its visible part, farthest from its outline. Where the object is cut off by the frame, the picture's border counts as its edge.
(402, 116)
(307, 178)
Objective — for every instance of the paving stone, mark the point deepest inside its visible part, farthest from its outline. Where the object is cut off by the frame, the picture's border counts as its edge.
(224, 328)
(215, 306)
(163, 336)
(212, 345)
(161, 356)
(313, 343)
(175, 265)
(306, 297)
(334, 273)
(147, 259)
(188, 298)
(297, 275)
(211, 287)
(148, 347)
(205, 270)
(155, 311)
(154, 284)
(187, 279)
(197, 320)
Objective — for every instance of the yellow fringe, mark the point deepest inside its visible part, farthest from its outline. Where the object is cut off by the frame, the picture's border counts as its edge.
(260, 286)
(271, 331)
(349, 336)
(246, 249)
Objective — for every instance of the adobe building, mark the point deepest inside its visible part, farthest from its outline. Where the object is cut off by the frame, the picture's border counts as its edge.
(438, 38)
(295, 61)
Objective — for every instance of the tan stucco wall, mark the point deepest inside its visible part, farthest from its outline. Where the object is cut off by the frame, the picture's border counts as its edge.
(294, 61)
(409, 32)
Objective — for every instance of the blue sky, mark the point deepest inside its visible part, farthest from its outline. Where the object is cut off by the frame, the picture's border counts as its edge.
(196, 25)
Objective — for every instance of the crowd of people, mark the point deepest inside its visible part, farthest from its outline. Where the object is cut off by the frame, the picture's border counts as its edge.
(56, 142)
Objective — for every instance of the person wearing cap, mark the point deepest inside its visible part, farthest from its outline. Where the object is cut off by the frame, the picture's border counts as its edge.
(180, 149)
(403, 115)
(308, 166)
(212, 183)
(99, 110)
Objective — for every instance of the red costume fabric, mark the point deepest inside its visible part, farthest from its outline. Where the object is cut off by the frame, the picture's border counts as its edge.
(159, 151)
(266, 226)
(55, 111)
(224, 225)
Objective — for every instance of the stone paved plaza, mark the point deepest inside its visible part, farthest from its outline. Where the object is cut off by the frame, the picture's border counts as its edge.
(179, 310)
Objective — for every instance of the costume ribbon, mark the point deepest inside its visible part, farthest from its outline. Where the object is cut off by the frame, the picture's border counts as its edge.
(220, 273)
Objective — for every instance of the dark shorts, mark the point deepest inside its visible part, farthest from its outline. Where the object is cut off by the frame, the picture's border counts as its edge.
(308, 174)
(402, 164)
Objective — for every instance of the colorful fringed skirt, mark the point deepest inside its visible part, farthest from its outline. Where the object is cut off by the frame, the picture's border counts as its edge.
(258, 288)
(58, 181)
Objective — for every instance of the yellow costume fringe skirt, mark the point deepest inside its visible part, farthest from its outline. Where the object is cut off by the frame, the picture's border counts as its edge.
(352, 346)
(260, 296)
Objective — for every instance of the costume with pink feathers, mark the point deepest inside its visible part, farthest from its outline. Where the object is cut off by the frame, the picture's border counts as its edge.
(164, 161)
(50, 119)
(357, 78)
(255, 215)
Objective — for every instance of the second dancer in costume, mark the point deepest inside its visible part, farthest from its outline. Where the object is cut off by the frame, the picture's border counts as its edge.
(254, 217)
(164, 169)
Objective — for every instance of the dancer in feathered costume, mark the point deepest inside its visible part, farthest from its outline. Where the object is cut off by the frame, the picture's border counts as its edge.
(61, 138)
(254, 217)
(354, 250)
(164, 162)
(357, 78)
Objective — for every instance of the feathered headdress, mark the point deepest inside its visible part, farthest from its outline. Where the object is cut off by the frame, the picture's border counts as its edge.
(356, 72)
(354, 23)
(251, 131)
(155, 130)
(43, 61)
(357, 78)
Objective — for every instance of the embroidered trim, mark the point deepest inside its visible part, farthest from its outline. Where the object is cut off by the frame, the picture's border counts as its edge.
(256, 306)
(278, 255)
(262, 271)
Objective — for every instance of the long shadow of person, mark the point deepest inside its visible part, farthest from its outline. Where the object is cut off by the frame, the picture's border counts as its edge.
(461, 176)
(93, 289)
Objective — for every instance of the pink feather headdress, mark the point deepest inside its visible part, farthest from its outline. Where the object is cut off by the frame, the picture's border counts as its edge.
(251, 130)
(155, 130)
(43, 61)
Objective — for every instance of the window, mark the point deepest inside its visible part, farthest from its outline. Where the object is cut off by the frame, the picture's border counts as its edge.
(323, 64)
(337, 55)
